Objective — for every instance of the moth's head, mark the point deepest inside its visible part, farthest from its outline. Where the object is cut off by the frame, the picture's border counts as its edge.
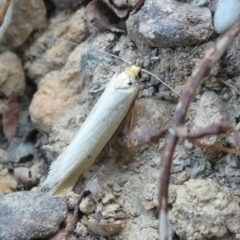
(133, 71)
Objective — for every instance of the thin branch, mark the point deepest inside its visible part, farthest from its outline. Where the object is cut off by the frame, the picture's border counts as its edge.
(217, 148)
(194, 82)
(214, 129)
(137, 6)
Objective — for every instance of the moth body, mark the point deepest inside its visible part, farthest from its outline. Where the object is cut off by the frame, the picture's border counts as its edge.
(94, 134)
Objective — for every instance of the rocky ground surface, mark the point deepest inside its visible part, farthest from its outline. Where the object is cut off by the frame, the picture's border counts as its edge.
(49, 85)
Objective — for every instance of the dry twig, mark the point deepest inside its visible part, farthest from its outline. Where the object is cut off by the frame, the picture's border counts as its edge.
(194, 82)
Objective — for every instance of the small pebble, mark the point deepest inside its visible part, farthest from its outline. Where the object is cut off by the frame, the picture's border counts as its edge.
(80, 230)
(116, 188)
(225, 97)
(87, 205)
(226, 14)
(28, 176)
(72, 199)
(148, 205)
(188, 145)
(107, 198)
(148, 191)
(112, 208)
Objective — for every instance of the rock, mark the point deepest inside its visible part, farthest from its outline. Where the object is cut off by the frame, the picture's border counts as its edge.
(148, 205)
(195, 166)
(209, 111)
(7, 181)
(107, 198)
(49, 52)
(87, 205)
(42, 215)
(3, 156)
(168, 23)
(148, 191)
(21, 20)
(58, 93)
(12, 78)
(111, 209)
(230, 61)
(213, 5)
(227, 173)
(226, 14)
(20, 151)
(130, 201)
(159, 111)
(72, 199)
(29, 176)
(50, 102)
(122, 3)
(204, 210)
(72, 92)
(81, 230)
(133, 33)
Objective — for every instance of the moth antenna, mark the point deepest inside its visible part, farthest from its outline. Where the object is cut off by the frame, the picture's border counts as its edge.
(143, 70)
(109, 54)
(68, 41)
(112, 55)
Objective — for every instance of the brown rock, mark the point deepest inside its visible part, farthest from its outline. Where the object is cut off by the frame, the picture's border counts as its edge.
(12, 79)
(21, 19)
(50, 102)
(135, 36)
(168, 23)
(7, 182)
(57, 94)
(49, 52)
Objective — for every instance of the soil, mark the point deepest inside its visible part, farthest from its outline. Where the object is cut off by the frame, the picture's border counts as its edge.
(68, 81)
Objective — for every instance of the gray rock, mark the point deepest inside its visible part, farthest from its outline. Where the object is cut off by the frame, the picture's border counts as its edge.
(20, 151)
(87, 205)
(226, 14)
(30, 215)
(72, 199)
(81, 230)
(209, 111)
(230, 61)
(133, 33)
(204, 209)
(168, 23)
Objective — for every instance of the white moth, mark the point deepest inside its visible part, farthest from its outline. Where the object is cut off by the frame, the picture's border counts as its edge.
(94, 134)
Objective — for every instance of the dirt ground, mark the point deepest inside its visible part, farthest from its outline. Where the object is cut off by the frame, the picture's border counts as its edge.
(64, 81)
